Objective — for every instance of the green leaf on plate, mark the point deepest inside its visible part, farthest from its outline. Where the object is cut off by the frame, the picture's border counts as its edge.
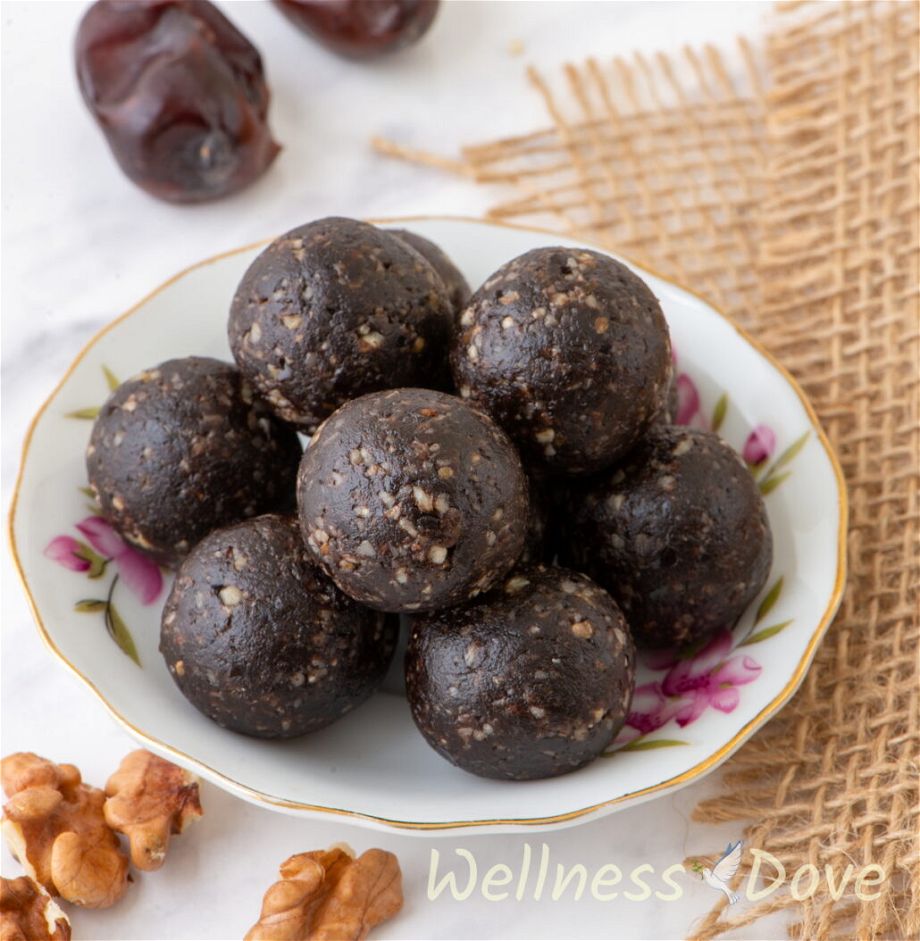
(790, 452)
(770, 599)
(770, 631)
(111, 379)
(769, 484)
(642, 745)
(87, 492)
(119, 632)
(97, 564)
(87, 414)
(88, 605)
(718, 413)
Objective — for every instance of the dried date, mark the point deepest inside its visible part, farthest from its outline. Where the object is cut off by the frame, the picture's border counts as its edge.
(362, 29)
(180, 95)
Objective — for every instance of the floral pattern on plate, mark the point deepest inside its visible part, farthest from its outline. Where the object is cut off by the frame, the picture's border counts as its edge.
(104, 547)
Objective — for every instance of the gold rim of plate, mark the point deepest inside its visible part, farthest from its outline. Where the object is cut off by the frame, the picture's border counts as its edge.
(685, 777)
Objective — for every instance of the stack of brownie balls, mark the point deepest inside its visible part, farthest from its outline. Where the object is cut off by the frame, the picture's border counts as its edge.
(461, 445)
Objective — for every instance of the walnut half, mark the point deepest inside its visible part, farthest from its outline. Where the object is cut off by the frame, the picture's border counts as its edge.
(328, 895)
(148, 800)
(28, 913)
(55, 827)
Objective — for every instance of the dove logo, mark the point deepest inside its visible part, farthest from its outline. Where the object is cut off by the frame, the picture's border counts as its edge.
(719, 876)
(804, 882)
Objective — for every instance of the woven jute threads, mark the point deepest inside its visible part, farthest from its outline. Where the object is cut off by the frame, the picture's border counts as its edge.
(637, 163)
(834, 779)
(786, 192)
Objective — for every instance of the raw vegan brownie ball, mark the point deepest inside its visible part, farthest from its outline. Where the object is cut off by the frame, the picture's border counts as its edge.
(335, 309)
(678, 533)
(183, 448)
(412, 500)
(533, 681)
(261, 641)
(569, 352)
(458, 289)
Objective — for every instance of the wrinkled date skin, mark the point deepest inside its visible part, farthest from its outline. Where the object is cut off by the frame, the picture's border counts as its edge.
(362, 29)
(179, 93)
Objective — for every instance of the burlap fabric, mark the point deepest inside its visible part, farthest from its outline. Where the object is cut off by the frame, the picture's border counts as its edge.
(786, 191)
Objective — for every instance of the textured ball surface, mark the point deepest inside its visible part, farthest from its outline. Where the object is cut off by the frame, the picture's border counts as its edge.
(569, 352)
(261, 641)
(183, 448)
(458, 288)
(333, 310)
(412, 500)
(678, 534)
(532, 681)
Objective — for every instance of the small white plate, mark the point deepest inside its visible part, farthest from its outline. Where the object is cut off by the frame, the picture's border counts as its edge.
(373, 767)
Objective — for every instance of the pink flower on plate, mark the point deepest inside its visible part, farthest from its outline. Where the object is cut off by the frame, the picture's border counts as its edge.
(760, 445)
(705, 679)
(65, 550)
(140, 574)
(650, 710)
(709, 679)
(688, 400)
(688, 396)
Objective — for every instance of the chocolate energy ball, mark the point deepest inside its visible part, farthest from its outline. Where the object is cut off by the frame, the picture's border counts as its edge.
(458, 288)
(333, 310)
(186, 447)
(412, 500)
(533, 681)
(568, 350)
(678, 534)
(259, 640)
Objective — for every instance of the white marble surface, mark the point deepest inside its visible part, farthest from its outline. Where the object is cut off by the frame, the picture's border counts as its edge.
(80, 244)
